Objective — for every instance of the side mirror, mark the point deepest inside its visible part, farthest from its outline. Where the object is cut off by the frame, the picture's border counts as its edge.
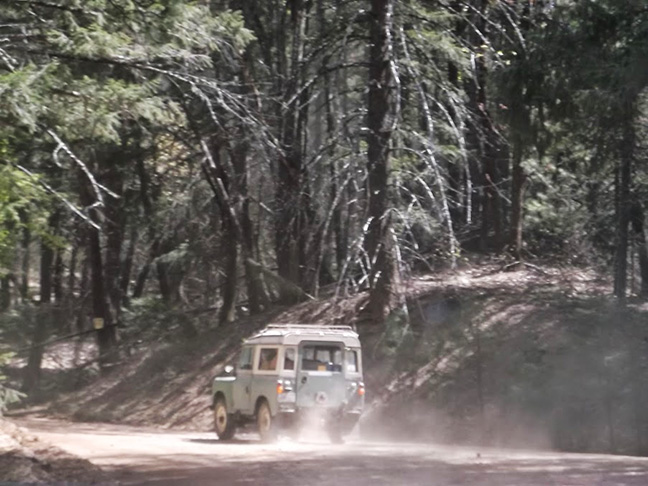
(229, 369)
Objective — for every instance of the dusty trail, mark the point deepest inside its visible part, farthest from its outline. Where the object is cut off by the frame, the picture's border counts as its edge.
(139, 456)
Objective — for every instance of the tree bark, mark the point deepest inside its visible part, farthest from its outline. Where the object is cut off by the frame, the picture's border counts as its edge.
(257, 297)
(623, 209)
(147, 206)
(229, 288)
(24, 273)
(518, 181)
(170, 275)
(71, 280)
(32, 374)
(378, 242)
(115, 220)
(81, 316)
(140, 281)
(230, 236)
(127, 265)
(101, 312)
(291, 188)
(482, 138)
(57, 281)
(638, 226)
(5, 292)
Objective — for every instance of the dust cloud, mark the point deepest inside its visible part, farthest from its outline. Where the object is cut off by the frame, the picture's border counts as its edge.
(418, 422)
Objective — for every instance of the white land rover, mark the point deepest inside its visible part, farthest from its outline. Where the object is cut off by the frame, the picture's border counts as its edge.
(288, 373)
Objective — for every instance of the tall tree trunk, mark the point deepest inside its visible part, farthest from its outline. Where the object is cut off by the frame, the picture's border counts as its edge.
(229, 243)
(32, 374)
(102, 317)
(140, 281)
(257, 296)
(127, 264)
(230, 233)
(637, 220)
(24, 272)
(57, 281)
(71, 280)
(521, 92)
(482, 138)
(290, 239)
(5, 292)
(378, 241)
(147, 206)
(115, 220)
(623, 209)
(517, 199)
(229, 287)
(169, 274)
(80, 324)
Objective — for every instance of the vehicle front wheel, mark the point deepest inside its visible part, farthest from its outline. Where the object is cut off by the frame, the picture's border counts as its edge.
(223, 423)
(265, 423)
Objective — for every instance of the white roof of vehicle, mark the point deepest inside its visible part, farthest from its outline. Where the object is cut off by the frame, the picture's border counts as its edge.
(294, 334)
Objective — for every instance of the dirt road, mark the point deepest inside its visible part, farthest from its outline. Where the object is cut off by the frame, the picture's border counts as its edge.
(140, 456)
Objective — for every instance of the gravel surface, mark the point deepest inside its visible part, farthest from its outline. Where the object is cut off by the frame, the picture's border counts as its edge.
(139, 456)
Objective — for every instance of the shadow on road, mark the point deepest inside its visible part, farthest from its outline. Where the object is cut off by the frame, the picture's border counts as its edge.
(222, 443)
(376, 466)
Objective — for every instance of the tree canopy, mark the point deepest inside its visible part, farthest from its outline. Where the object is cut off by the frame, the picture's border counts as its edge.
(228, 155)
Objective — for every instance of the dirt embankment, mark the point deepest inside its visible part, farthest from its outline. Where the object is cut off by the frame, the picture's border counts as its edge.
(531, 356)
(25, 459)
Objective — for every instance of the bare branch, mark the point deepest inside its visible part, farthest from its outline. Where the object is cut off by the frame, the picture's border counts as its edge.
(55, 193)
(96, 187)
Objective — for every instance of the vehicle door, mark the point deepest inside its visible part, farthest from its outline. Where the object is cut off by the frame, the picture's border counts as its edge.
(320, 378)
(354, 382)
(266, 374)
(243, 385)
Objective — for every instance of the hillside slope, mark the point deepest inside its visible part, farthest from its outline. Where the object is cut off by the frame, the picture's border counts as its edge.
(504, 356)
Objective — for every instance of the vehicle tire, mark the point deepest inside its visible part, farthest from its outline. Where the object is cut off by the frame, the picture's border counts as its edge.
(223, 422)
(265, 423)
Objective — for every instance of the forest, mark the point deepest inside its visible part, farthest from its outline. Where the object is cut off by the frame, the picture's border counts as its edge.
(218, 158)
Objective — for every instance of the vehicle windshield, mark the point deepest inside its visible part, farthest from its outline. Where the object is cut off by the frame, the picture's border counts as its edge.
(318, 357)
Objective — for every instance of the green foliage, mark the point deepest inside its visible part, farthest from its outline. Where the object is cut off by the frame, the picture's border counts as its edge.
(8, 396)
(20, 195)
(23, 93)
(177, 31)
(100, 109)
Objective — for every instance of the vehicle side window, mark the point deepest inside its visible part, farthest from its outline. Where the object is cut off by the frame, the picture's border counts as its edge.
(245, 359)
(268, 359)
(352, 361)
(289, 359)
